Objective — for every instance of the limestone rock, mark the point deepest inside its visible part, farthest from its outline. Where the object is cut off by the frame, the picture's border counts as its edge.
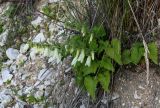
(12, 53)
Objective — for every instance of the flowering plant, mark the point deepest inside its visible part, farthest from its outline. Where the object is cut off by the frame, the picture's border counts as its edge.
(94, 56)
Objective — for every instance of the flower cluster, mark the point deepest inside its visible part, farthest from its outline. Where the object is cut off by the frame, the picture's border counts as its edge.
(53, 55)
(80, 56)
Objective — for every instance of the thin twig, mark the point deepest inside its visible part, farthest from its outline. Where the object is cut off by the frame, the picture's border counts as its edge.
(144, 44)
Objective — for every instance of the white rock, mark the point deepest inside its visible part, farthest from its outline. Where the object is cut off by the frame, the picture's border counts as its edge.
(61, 105)
(20, 93)
(46, 52)
(41, 87)
(51, 60)
(136, 96)
(1, 82)
(104, 101)
(47, 92)
(2, 106)
(68, 70)
(19, 104)
(47, 83)
(24, 76)
(72, 82)
(37, 21)
(13, 67)
(54, 56)
(123, 104)
(39, 38)
(12, 53)
(141, 87)
(52, 1)
(28, 90)
(115, 96)
(24, 48)
(6, 76)
(52, 27)
(38, 106)
(44, 74)
(82, 106)
(37, 83)
(33, 53)
(8, 62)
(53, 81)
(6, 91)
(13, 82)
(20, 59)
(5, 97)
(39, 94)
(3, 38)
(60, 33)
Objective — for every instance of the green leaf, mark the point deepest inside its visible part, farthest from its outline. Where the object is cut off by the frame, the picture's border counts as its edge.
(99, 31)
(136, 53)
(31, 99)
(103, 45)
(104, 80)
(79, 79)
(112, 53)
(76, 42)
(141, 51)
(90, 84)
(153, 52)
(93, 46)
(46, 10)
(116, 44)
(126, 57)
(91, 69)
(1, 28)
(107, 64)
(137, 44)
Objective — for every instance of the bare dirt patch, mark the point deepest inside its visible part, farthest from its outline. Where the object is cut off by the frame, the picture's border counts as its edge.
(133, 90)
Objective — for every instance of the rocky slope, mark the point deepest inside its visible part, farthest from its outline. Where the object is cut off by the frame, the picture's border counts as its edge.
(29, 78)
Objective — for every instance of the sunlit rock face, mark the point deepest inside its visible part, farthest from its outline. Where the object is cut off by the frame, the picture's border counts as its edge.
(32, 77)
(6, 75)
(12, 53)
(39, 38)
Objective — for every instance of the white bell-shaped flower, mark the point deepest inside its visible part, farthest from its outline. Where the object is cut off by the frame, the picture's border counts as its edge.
(81, 56)
(91, 38)
(92, 55)
(74, 61)
(66, 47)
(83, 31)
(88, 61)
(71, 50)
